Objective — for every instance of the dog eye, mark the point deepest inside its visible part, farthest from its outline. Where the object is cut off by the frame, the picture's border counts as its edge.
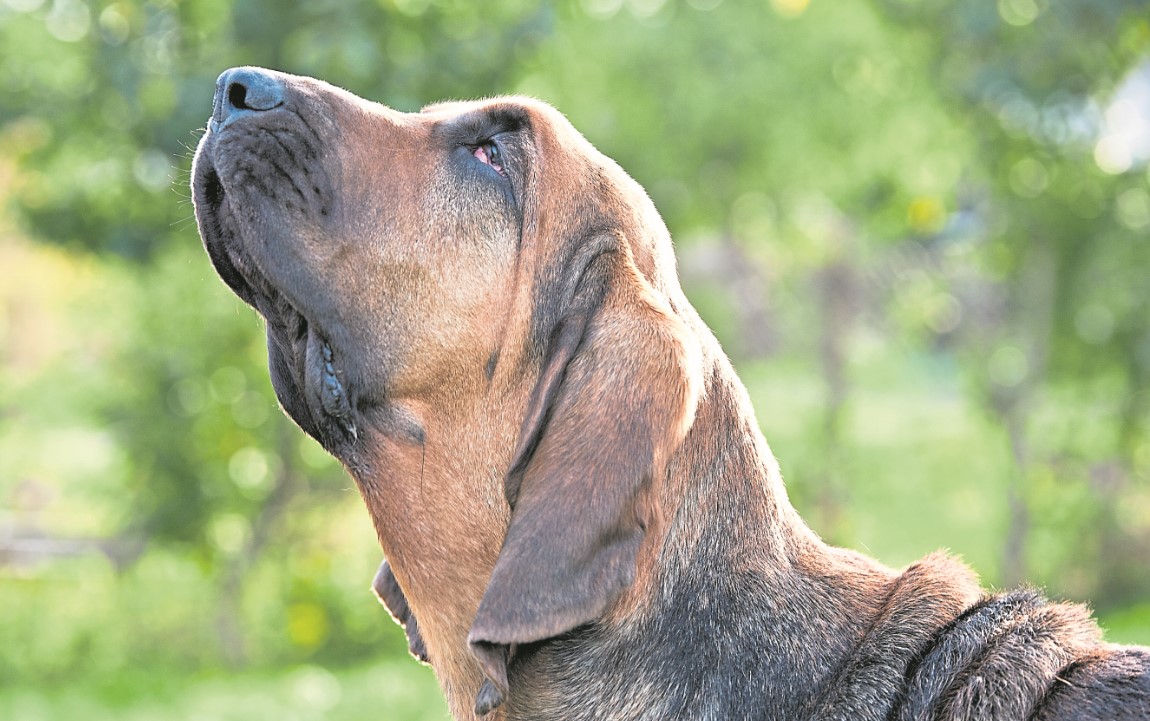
(489, 154)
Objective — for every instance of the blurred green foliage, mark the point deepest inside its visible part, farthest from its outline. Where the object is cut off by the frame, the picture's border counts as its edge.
(922, 227)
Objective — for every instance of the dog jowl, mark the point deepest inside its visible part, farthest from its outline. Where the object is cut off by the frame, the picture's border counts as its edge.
(479, 314)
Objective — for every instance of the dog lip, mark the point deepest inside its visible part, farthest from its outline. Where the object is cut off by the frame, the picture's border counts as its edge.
(219, 239)
(322, 377)
(275, 162)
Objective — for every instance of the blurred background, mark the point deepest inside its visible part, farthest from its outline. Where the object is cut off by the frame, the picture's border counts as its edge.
(921, 228)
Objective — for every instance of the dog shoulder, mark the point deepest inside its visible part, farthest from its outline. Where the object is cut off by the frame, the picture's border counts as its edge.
(1018, 655)
(1111, 684)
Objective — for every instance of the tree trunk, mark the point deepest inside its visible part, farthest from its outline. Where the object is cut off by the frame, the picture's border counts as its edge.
(286, 485)
(837, 291)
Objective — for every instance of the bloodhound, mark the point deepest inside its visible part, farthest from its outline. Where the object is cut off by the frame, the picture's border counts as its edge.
(479, 315)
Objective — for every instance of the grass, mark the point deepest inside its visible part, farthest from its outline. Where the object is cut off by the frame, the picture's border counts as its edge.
(396, 690)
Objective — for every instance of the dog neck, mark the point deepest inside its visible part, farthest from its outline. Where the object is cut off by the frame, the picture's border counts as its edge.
(433, 484)
(779, 604)
(738, 610)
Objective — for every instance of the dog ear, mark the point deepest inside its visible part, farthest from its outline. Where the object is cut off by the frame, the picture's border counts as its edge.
(387, 590)
(615, 396)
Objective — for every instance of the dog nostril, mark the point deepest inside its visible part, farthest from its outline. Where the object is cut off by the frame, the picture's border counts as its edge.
(237, 95)
(251, 89)
(244, 90)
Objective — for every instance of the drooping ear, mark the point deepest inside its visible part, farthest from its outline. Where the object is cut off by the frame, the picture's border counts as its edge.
(615, 397)
(387, 590)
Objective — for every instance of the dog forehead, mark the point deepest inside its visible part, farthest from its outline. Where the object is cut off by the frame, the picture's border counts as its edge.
(451, 108)
(507, 111)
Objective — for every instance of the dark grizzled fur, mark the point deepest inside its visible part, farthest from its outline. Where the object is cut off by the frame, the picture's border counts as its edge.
(1104, 685)
(1003, 660)
(956, 647)
(998, 660)
(796, 638)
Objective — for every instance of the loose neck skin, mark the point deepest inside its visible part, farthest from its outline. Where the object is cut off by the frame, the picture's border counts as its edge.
(434, 488)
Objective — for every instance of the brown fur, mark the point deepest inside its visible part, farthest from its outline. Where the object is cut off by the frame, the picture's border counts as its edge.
(581, 517)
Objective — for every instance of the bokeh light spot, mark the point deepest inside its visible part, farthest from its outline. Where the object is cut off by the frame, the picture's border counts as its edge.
(1094, 323)
(1018, 12)
(925, 215)
(790, 8)
(601, 9)
(316, 688)
(250, 410)
(645, 8)
(152, 170)
(114, 25)
(411, 8)
(307, 624)
(1029, 178)
(944, 313)
(228, 532)
(68, 20)
(1008, 366)
(1133, 208)
(1112, 156)
(1142, 459)
(188, 396)
(1133, 513)
(227, 384)
(24, 6)
(248, 468)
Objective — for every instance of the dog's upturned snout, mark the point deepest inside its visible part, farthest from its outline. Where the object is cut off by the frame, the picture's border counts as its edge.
(240, 91)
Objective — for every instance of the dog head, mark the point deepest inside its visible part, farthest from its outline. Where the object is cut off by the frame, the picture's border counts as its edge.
(476, 274)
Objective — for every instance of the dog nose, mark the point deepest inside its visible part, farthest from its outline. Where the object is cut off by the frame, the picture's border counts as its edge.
(241, 91)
